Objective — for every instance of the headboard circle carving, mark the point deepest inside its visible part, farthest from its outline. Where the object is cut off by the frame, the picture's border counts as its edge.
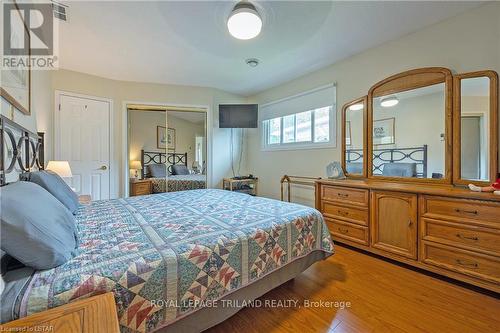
(22, 140)
(22, 146)
(14, 149)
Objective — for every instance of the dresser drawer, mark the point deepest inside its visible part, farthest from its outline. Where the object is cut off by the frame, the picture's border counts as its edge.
(475, 211)
(466, 236)
(348, 231)
(346, 195)
(353, 215)
(465, 262)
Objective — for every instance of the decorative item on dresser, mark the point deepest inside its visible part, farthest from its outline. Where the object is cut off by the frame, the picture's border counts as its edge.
(140, 187)
(90, 315)
(430, 222)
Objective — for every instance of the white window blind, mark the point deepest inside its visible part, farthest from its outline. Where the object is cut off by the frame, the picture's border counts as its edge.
(305, 120)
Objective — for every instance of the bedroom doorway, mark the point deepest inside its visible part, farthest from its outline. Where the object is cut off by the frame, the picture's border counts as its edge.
(167, 149)
(83, 133)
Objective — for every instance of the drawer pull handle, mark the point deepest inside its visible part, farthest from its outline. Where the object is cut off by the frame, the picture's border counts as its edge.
(474, 238)
(410, 223)
(341, 212)
(344, 231)
(474, 212)
(343, 195)
(469, 264)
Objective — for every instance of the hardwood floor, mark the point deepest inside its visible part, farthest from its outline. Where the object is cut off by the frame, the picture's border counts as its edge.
(384, 297)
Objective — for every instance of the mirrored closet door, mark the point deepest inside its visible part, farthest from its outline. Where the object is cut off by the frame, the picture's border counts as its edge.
(167, 149)
(186, 144)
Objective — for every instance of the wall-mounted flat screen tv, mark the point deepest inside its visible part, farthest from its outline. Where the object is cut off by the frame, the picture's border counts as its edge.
(238, 115)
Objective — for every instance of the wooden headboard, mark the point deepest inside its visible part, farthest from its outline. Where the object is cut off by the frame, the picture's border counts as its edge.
(155, 157)
(20, 150)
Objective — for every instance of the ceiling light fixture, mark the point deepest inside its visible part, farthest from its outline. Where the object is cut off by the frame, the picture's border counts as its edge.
(252, 62)
(244, 22)
(389, 101)
(357, 107)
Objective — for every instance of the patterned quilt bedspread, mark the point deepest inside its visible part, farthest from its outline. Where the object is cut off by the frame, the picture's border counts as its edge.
(178, 183)
(163, 254)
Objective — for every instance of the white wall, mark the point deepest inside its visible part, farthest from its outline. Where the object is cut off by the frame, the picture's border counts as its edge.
(122, 92)
(468, 42)
(418, 121)
(142, 132)
(41, 104)
(185, 136)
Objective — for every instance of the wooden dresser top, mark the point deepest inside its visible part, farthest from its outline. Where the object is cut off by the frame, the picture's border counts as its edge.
(431, 189)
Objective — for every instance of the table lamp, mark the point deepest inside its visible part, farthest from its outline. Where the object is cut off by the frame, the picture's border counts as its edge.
(61, 168)
(136, 165)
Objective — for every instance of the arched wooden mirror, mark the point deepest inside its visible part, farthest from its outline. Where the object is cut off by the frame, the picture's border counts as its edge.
(354, 138)
(409, 126)
(475, 123)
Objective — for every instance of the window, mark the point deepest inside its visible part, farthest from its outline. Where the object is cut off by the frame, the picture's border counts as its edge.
(274, 131)
(302, 121)
(304, 129)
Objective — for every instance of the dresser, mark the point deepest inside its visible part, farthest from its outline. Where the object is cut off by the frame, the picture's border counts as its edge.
(141, 187)
(410, 150)
(440, 228)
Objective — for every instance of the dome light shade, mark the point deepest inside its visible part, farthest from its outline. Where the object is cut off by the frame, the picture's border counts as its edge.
(244, 21)
(389, 101)
(357, 107)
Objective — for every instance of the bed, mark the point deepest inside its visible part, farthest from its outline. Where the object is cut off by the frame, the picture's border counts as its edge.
(173, 260)
(178, 183)
(171, 183)
(163, 254)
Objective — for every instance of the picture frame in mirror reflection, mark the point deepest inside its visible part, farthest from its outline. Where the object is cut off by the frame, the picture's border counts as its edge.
(165, 138)
(384, 131)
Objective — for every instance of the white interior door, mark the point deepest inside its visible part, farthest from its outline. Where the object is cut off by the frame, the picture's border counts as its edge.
(84, 141)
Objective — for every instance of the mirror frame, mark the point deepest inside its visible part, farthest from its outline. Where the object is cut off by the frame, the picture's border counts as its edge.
(413, 79)
(346, 106)
(493, 130)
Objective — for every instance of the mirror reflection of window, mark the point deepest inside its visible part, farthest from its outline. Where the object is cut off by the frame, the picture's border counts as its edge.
(408, 133)
(354, 158)
(475, 111)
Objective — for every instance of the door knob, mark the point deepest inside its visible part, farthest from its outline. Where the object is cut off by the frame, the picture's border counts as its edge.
(103, 167)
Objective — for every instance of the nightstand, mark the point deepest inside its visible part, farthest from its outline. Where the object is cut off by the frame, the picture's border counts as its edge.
(94, 314)
(84, 199)
(242, 185)
(141, 187)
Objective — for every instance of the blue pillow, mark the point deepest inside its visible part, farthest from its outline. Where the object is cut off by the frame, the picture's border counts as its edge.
(56, 186)
(180, 170)
(157, 170)
(37, 229)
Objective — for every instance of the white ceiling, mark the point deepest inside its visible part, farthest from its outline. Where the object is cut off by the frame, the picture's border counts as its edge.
(187, 43)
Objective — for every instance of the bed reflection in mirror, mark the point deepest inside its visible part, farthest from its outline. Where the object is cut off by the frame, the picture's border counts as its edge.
(474, 116)
(409, 133)
(354, 129)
